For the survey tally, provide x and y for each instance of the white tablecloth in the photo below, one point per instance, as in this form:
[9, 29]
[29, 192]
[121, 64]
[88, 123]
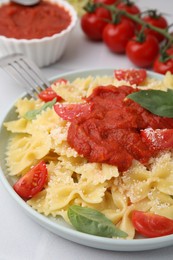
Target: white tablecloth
[20, 237]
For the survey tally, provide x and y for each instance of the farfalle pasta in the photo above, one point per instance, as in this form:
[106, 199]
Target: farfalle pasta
[73, 178]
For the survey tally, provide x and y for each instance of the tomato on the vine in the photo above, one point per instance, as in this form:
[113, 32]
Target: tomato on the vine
[151, 225]
[107, 2]
[164, 61]
[142, 51]
[94, 22]
[169, 51]
[117, 35]
[129, 7]
[163, 66]
[157, 20]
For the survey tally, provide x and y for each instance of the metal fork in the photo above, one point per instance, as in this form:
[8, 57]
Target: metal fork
[25, 72]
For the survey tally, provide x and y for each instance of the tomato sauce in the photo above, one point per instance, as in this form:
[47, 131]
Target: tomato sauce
[34, 22]
[110, 132]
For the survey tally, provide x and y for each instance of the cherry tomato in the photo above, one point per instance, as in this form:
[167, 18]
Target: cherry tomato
[129, 7]
[159, 139]
[116, 36]
[170, 51]
[107, 2]
[143, 54]
[158, 21]
[151, 225]
[162, 67]
[132, 76]
[93, 23]
[71, 111]
[32, 182]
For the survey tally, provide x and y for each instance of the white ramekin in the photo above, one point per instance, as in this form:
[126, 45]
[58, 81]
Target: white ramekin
[44, 51]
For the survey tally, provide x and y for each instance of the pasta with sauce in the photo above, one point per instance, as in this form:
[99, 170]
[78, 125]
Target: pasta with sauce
[72, 179]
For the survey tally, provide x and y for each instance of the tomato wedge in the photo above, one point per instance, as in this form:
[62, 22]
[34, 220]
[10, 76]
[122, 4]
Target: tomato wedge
[133, 76]
[71, 111]
[61, 80]
[32, 182]
[48, 95]
[159, 139]
[151, 225]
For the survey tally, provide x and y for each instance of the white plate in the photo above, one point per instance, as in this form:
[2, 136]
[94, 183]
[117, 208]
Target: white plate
[58, 226]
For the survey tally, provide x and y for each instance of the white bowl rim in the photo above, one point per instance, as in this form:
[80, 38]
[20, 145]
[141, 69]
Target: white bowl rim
[68, 7]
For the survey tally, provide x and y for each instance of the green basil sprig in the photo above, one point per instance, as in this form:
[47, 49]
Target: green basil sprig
[30, 115]
[157, 102]
[93, 222]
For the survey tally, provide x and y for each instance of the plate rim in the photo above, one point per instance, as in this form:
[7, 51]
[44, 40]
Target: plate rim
[72, 234]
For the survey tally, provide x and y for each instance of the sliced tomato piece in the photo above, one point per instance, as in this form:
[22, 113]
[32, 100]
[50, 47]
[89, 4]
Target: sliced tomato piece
[159, 139]
[133, 76]
[61, 80]
[48, 95]
[32, 182]
[151, 225]
[71, 111]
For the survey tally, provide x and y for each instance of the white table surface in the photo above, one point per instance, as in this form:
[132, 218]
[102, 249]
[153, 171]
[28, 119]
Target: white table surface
[20, 237]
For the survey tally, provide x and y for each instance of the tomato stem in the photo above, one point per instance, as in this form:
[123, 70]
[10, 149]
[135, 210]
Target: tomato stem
[136, 18]
[164, 56]
[153, 13]
[140, 36]
[116, 17]
[90, 7]
[128, 2]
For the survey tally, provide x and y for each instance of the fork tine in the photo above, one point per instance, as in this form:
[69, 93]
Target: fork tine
[7, 59]
[34, 85]
[17, 76]
[36, 74]
[26, 72]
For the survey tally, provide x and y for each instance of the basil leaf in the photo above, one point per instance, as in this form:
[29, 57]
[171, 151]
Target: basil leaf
[156, 101]
[93, 222]
[33, 113]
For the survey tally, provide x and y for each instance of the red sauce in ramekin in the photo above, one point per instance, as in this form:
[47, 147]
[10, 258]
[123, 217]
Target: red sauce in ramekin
[35, 22]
